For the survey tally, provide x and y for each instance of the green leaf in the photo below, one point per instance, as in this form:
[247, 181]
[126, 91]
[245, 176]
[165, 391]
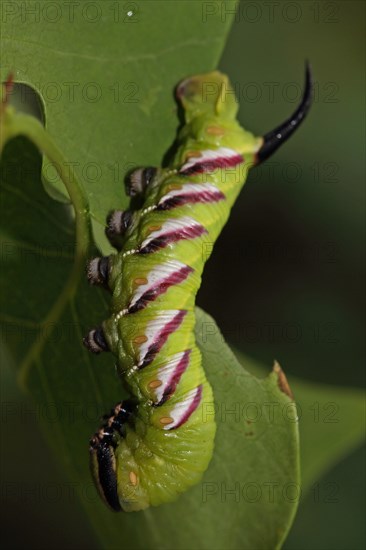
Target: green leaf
[106, 72]
[331, 425]
[331, 422]
[253, 477]
[140, 58]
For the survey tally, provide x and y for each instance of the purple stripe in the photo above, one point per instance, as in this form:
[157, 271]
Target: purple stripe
[196, 401]
[212, 164]
[161, 287]
[162, 337]
[163, 241]
[176, 376]
[193, 198]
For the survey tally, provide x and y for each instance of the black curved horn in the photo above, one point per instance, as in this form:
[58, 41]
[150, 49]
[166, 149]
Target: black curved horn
[274, 139]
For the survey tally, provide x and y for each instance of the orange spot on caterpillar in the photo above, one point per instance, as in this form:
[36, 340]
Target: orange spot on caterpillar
[174, 187]
[140, 339]
[216, 131]
[154, 384]
[133, 478]
[166, 420]
[140, 281]
[192, 154]
[154, 228]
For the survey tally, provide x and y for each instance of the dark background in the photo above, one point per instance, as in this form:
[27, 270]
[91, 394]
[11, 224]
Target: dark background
[291, 256]
[286, 279]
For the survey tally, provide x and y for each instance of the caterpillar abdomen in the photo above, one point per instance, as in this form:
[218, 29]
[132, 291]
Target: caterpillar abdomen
[156, 445]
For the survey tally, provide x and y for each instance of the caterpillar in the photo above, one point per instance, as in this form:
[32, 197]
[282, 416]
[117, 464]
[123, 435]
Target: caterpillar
[157, 444]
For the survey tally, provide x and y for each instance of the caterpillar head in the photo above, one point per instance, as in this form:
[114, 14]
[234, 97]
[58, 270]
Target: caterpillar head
[210, 96]
[207, 94]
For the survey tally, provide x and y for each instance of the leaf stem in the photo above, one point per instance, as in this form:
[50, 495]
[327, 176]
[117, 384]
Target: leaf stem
[14, 124]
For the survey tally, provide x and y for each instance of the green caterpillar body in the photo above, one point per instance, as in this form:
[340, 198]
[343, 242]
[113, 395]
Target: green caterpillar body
[154, 447]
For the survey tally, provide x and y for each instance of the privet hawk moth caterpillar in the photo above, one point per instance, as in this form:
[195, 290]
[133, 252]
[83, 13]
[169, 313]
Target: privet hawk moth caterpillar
[157, 444]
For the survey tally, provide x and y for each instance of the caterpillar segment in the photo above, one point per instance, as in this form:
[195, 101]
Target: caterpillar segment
[148, 452]
[140, 179]
[98, 271]
[118, 221]
[95, 341]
